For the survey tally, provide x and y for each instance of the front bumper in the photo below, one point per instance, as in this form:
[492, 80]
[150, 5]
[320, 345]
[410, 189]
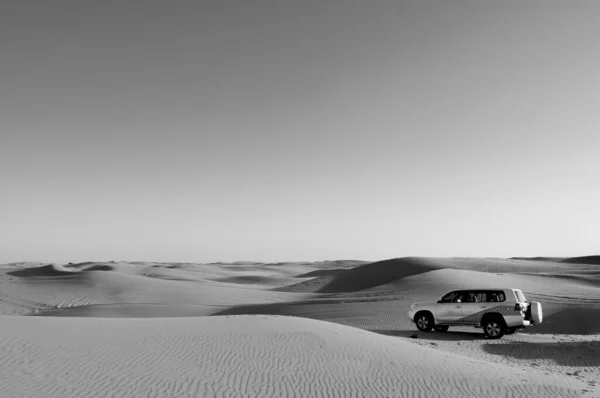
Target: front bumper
[411, 315]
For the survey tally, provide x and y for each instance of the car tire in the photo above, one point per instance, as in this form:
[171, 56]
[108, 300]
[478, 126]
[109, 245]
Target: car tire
[424, 321]
[494, 327]
[511, 331]
[536, 312]
[441, 328]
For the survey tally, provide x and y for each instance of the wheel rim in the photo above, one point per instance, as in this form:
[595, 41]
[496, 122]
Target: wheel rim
[423, 322]
[493, 329]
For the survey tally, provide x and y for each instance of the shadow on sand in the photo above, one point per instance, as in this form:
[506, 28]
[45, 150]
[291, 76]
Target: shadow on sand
[569, 353]
[434, 336]
[285, 308]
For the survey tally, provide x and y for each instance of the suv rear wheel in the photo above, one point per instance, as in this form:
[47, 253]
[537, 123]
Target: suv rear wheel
[494, 328]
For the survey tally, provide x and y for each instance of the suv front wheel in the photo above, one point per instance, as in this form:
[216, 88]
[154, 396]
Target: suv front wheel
[424, 321]
[494, 328]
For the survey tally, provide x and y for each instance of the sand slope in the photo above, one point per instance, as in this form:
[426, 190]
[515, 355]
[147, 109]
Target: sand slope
[244, 357]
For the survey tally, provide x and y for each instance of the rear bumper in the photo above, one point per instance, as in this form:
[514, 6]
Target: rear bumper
[520, 324]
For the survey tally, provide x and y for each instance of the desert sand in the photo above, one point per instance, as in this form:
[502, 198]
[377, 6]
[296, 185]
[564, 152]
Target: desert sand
[324, 329]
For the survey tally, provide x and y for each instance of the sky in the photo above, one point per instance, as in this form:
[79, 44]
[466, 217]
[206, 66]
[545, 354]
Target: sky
[199, 131]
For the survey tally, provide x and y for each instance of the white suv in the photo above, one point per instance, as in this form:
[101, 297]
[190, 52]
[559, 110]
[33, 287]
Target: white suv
[497, 311]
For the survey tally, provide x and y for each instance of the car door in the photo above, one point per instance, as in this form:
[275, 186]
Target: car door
[451, 311]
[474, 304]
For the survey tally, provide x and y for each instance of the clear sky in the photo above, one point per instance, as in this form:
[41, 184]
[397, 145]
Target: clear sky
[298, 130]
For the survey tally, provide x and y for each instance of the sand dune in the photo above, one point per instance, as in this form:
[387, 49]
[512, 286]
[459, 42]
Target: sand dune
[583, 260]
[364, 276]
[253, 329]
[245, 356]
[546, 259]
[385, 272]
[261, 280]
[49, 270]
[104, 287]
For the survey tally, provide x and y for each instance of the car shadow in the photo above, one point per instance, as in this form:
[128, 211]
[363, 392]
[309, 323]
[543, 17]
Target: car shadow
[563, 353]
[434, 336]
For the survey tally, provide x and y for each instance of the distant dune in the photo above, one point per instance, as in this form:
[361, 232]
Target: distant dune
[583, 260]
[570, 260]
[364, 276]
[384, 272]
[50, 270]
[551, 259]
[290, 329]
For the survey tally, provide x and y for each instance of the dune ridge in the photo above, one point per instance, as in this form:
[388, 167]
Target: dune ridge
[364, 276]
[583, 260]
[49, 270]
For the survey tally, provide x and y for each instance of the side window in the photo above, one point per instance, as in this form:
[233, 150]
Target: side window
[475, 297]
[495, 297]
[451, 297]
[471, 297]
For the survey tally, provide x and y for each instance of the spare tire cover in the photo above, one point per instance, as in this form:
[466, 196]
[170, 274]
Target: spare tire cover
[536, 311]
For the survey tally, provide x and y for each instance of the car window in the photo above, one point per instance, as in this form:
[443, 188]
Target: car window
[468, 297]
[495, 297]
[460, 296]
[481, 297]
[520, 296]
[472, 297]
[451, 297]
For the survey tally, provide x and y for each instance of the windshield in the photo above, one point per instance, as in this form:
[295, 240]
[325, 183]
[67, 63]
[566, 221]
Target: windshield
[520, 296]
